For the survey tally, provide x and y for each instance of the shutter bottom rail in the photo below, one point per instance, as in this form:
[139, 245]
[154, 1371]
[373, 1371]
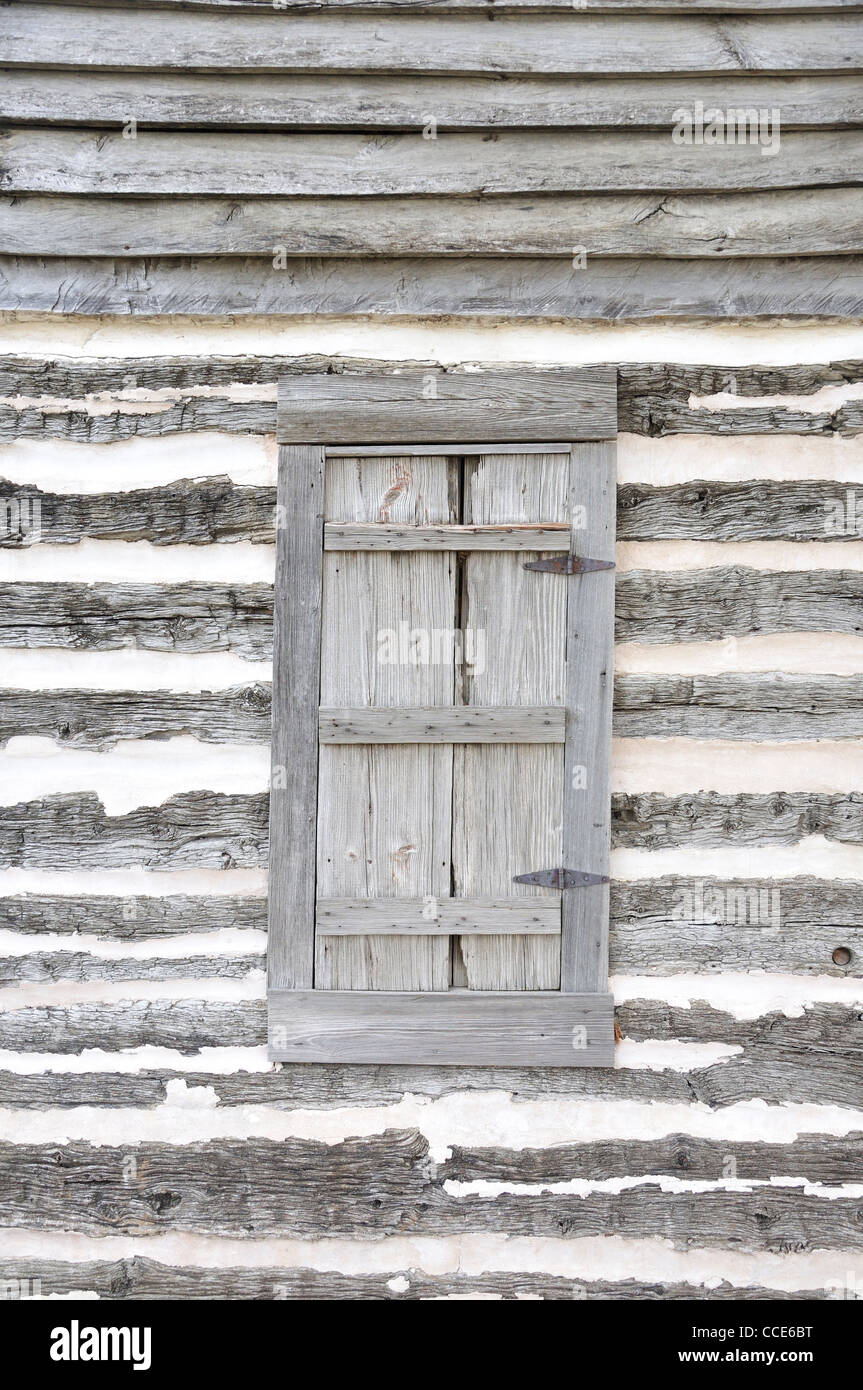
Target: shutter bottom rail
[457, 1028]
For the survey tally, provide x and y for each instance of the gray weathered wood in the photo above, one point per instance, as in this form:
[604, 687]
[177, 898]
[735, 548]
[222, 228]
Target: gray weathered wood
[654, 821]
[589, 699]
[317, 164]
[461, 450]
[101, 718]
[680, 7]
[296, 678]
[612, 288]
[511, 405]
[386, 811]
[39, 35]
[507, 799]
[795, 222]
[460, 1027]
[453, 917]
[126, 918]
[198, 101]
[458, 724]
[529, 536]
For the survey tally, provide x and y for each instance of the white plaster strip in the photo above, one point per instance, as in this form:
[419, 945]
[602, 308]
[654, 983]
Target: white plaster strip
[583, 1187]
[737, 343]
[584, 1260]
[129, 668]
[149, 883]
[796, 653]
[140, 562]
[664, 460]
[675, 766]
[815, 856]
[140, 400]
[68, 993]
[135, 772]
[463, 1119]
[785, 556]
[65, 466]
[228, 941]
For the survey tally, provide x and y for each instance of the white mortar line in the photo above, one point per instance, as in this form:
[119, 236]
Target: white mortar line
[792, 653]
[128, 669]
[148, 883]
[813, 856]
[784, 556]
[826, 399]
[66, 466]
[677, 766]
[663, 460]
[228, 941]
[141, 562]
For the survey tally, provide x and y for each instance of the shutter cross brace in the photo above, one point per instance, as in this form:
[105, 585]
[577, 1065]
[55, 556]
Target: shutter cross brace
[561, 878]
[569, 564]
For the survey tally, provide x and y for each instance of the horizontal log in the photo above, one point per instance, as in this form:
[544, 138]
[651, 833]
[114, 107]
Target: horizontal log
[377, 1185]
[203, 511]
[82, 967]
[454, 917]
[196, 101]
[42, 160]
[700, 606]
[459, 1028]
[193, 830]
[526, 536]
[41, 36]
[481, 6]
[133, 917]
[144, 1280]
[104, 617]
[459, 724]
[381, 408]
[101, 718]
[653, 821]
[464, 287]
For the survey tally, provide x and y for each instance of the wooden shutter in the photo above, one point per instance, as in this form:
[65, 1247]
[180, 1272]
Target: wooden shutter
[442, 719]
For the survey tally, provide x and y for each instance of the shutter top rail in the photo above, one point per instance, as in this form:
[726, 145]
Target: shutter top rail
[521, 406]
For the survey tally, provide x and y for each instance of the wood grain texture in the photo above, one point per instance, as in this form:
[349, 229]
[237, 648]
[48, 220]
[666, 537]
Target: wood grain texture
[321, 101]
[521, 287]
[247, 164]
[101, 718]
[793, 222]
[140, 1279]
[457, 725]
[133, 916]
[453, 917]
[386, 811]
[589, 698]
[85, 38]
[367, 7]
[653, 821]
[510, 405]
[296, 682]
[356, 536]
[507, 800]
[456, 1028]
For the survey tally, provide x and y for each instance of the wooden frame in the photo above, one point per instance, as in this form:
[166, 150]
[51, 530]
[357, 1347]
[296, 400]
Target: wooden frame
[323, 416]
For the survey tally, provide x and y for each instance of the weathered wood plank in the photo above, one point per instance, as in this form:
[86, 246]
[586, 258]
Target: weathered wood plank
[385, 826]
[653, 821]
[651, 606]
[143, 1280]
[689, 605]
[510, 6]
[459, 1027]
[507, 803]
[193, 830]
[81, 967]
[192, 100]
[459, 724]
[101, 718]
[528, 536]
[513, 405]
[296, 678]
[128, 918]
[380, 1185]
[174, 41]
[244, 164]
[796, 222]
[215, 510]
[187, 617]
[454, 917]
[589, 697]
[746, 707]
[612, 288]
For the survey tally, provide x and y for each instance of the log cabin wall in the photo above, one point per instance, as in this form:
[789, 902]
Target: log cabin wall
[278, 214]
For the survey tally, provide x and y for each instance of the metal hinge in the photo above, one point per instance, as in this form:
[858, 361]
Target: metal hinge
[569, 564]
[561, 878]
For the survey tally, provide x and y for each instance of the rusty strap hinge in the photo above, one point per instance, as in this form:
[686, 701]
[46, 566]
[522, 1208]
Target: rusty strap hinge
[561, 878]
[569, 564]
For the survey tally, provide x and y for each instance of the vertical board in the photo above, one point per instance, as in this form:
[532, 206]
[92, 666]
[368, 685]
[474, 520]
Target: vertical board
[589, 699]
[296, 674]
[385, 819]
[508, 797]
